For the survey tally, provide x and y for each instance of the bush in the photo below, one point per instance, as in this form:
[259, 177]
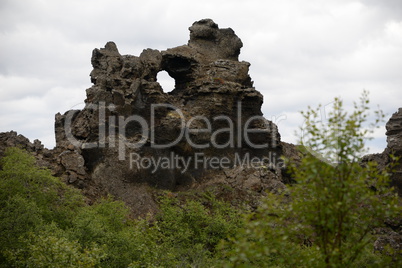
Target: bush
[45, 223]
[188, 232]
[50, 248]
[29, 198]
[106, 224]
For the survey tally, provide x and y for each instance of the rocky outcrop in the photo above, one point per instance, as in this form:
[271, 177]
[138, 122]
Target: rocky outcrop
[132, 135]
[68, 163]
[394, 147]
[12, 139]
[394, 133]
[390, 237]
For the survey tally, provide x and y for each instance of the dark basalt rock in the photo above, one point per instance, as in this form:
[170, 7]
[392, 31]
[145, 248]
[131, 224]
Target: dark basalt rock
[394, 147]
[211, 104]
[394, 133]
[209, 82]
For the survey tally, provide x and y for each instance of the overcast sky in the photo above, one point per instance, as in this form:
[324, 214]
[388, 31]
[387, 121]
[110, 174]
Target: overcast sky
[301, 52]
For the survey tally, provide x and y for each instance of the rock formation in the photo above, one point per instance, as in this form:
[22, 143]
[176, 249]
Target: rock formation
[394, 147]
[391, 235]
[132, 135]
[12, 139]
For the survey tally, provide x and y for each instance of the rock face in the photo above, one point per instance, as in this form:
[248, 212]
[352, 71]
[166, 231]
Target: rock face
[131, 133]
[67, 163]
[394, 133]
[394, 147]
[12, 139]
[392, 235]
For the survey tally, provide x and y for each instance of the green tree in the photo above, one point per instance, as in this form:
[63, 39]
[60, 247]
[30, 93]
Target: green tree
[326, 218]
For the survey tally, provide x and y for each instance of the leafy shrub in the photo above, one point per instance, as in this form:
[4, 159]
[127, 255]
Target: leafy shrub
[187, 231]
[45, 223]
[50, 248]
[107, 225]
[29, 198]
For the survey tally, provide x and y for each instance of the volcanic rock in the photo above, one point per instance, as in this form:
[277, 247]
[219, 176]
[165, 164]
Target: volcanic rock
[129, 123]
[394, 148]
[394, 133]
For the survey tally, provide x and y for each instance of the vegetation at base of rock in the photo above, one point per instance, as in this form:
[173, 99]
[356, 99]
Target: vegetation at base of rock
[45, 223]
[325, 219]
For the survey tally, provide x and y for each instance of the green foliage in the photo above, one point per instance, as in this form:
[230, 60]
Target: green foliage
[21, 177]
[272, 237]
[326, 218]
[195, 222]
[191, 230]
[106, 224]
[184, 233]
[17, 217]
[51, 248]
[45, 223]
[29, 198]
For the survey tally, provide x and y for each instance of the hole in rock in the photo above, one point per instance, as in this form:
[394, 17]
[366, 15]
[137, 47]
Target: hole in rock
[166, 81]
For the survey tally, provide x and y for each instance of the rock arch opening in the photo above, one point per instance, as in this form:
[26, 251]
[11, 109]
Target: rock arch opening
[166, 81]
